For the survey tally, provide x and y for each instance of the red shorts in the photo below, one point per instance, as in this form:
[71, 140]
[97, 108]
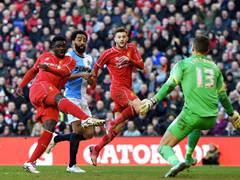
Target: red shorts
[121, 96]
[42, 96]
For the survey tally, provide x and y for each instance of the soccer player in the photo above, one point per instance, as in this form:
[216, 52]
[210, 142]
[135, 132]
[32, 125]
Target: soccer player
[51, 71]
[203, 86]
[120, 60]
[75, 91]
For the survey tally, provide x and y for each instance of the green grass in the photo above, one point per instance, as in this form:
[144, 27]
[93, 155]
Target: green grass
[120, 173]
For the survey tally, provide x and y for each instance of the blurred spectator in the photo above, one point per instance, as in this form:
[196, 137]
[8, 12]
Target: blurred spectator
[235, 97]
[24, 114]
[37, 129]
[22, 130]
[143, 92]
[100, 111]
[131, 130]
[6, 131]
[150, 131]
[221, 124]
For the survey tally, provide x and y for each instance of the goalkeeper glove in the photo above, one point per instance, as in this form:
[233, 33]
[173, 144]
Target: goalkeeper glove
[146, 105]
[235, 120]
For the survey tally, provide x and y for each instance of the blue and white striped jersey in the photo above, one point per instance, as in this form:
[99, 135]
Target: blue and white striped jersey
[77, 88]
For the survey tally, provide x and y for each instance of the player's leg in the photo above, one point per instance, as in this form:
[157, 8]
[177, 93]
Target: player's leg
[201, 123]
[75, 138]
[177, 131]
[43, 141]
[107, 138]
[49, 126]
[73, 121]
[70, 108]
[78, 135]
[193, 138]
[54, 97]
[48, 116]
[122, 101]
[128, 102]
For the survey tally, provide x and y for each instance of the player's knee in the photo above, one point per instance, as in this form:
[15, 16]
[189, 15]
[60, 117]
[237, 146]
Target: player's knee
[50, 125]
[58, 97]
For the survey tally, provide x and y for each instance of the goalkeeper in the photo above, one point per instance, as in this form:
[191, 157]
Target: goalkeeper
[203, 86]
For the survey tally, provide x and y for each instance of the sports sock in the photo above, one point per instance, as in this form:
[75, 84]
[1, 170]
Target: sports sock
[43, 142]
[74, 144]
[68, 107]
[193, 138]
[107, 138]
[168, 154]
[62, 137]
[127, 113]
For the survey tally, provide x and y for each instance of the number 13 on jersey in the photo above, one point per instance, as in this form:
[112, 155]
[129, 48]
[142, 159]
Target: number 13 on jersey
[205, 77]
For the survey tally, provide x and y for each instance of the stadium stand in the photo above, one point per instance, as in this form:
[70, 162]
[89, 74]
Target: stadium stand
[162, 30]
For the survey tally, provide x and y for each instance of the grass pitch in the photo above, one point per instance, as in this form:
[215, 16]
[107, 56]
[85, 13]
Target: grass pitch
[120, 173]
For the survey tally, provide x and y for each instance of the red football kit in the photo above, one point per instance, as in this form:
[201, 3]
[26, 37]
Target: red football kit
[120, 64]
[47, 85]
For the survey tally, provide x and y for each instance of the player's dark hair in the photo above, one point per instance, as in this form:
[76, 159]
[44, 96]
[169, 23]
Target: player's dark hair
[120, 29]
[57, 38]
[201, 44]
[75, 33]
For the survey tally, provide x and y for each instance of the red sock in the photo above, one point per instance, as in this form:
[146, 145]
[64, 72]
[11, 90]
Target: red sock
[43, 142]
[107, 138]
[68, 107]
[127, 113]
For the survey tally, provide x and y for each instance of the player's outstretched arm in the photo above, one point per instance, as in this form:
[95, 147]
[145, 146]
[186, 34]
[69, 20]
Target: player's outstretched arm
[167, 87]
[136, 59]
[61, 71]
[31, 73]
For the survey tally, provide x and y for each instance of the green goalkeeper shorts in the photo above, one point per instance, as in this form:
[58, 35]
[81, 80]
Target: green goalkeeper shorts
[186, 122]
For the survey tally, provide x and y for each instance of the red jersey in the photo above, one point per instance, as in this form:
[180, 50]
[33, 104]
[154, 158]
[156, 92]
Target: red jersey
[120, 64]
[55, 62]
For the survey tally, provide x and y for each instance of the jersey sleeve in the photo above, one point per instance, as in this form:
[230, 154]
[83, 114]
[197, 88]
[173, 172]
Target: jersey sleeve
[177, 73]
[136, 58]
[35, 66]
[102, 60]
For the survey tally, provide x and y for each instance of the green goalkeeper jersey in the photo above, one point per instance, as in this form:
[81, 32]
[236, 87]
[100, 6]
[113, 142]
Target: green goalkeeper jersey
[201, 82]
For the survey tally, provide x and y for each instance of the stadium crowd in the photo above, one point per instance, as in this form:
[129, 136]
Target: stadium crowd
[162, 30]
